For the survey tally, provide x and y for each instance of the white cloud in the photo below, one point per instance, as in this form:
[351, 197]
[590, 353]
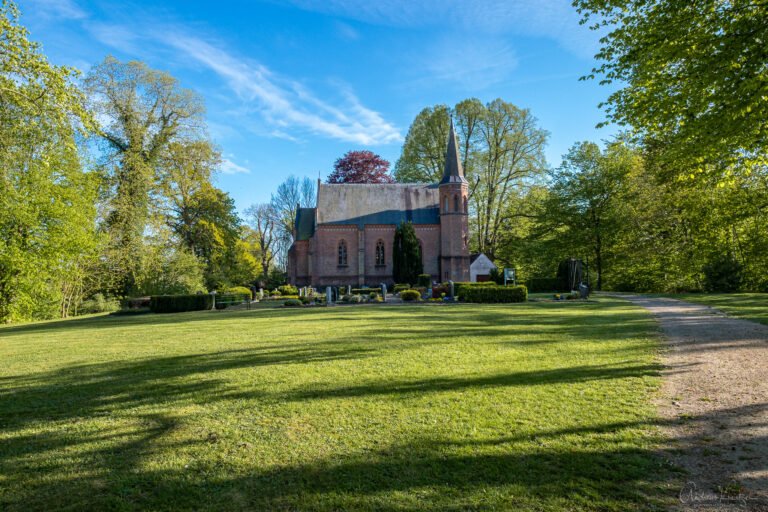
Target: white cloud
[230, 167]
[286, 103]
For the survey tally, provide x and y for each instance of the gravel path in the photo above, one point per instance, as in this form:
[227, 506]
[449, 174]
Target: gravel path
[714, 404]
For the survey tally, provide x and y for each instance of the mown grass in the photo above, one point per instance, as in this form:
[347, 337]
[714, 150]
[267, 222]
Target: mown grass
[750, 306]
[519, 407]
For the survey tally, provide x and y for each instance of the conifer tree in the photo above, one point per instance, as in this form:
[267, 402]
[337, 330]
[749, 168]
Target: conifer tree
[406, 255]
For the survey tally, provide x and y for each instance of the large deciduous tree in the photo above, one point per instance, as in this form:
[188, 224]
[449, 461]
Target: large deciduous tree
[141, 111]
[692, 78]
[263, 220]
[501, 148]
[423, 154]
[360, 167]
[584, 207]
[47, 212]
[291, 194]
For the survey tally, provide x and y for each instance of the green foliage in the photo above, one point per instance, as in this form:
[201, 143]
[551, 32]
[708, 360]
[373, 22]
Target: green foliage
[502, 152]
[288, 289]
[240, 290]
[723, 274]
[366, 291]
[141, 111]
[98, 304]
[163, 269]
[48, 241]
[410, 295]
[424, 280]
[406, 254]
[400, 287]
[496, 275]
[423, 155]
[180, 303]
[494, 294]
[692, 79]
[460, 287]
[543, 284]
[292, 303]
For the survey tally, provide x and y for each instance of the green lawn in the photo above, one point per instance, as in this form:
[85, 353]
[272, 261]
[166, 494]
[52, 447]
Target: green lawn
[750, 306]
[539, 406]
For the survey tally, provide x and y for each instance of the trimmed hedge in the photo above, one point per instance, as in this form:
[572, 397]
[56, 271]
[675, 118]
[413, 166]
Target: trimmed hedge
[544, 284]
[400, 287]
[424, 280]
[233, 298]
[410, 295]
[458, 288]
[292, 303]
[179, 303]
[494, 294]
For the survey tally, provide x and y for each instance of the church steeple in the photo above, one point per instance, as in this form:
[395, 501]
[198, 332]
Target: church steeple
[453, 172]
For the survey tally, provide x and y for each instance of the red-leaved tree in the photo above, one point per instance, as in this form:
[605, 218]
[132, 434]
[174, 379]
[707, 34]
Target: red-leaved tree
[360, 167]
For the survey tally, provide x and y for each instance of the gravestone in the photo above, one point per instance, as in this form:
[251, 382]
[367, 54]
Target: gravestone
[328, 296]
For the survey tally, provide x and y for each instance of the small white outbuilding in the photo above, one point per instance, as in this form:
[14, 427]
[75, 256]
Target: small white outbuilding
[480, 267]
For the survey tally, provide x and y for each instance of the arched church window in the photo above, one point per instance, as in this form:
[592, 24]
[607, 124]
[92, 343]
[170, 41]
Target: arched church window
[342, 252]
[380, 252]
[456, 203]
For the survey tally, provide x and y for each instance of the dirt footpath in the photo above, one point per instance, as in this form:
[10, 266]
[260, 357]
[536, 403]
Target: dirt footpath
[714, 404]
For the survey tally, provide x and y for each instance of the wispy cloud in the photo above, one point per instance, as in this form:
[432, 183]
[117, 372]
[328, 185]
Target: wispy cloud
[286, 103]
[66, 9]
[473, 64]
[230, 167]
[554, 19]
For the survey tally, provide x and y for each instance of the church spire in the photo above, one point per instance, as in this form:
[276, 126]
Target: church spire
[453, 172]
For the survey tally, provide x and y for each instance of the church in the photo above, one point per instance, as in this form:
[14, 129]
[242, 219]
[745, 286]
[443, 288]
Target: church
[347, 238]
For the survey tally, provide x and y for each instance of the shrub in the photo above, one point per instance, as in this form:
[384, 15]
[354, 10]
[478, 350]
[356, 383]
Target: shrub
[232, 298]
[365, 291]
[179, 303]
[276, 293]
[400, 287]
[543, 284]
[287, 289]
[304, 300]
[494, 294]
[496, 275]
[410, 295]
[723, 274]
[291, 303]
[238, 290]
[424, 280]
[98, 304]
[221, 305]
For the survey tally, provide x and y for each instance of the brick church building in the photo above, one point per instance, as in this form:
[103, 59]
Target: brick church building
[347, 239]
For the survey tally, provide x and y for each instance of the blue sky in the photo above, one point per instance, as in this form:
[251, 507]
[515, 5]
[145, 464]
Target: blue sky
[292, 85]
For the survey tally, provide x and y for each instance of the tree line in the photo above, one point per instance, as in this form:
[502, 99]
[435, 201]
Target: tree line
[107, 186]
[107, 181]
